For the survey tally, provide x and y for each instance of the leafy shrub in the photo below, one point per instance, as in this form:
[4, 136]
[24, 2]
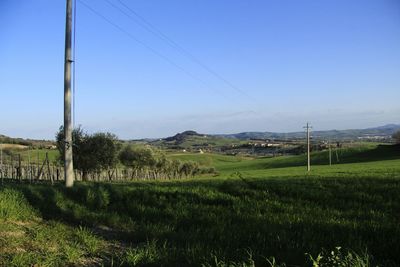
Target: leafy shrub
[208, 170]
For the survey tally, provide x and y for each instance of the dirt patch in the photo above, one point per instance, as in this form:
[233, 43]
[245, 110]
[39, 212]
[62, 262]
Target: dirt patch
[16, 233]
[14, 146]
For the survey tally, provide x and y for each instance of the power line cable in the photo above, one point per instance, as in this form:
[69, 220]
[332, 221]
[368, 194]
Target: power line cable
[154, 30]
[141, 21]
[150, 48]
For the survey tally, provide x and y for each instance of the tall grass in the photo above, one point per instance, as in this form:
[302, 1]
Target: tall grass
[27, 240]
[183, 223]
[13, 206]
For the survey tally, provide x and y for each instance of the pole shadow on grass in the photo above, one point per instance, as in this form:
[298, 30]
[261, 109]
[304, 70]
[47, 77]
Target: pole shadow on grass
[284, 218]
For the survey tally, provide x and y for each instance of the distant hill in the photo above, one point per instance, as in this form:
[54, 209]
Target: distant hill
[375, 133]
[246, 141]
[190, 138]
[25, 142]
[180, 137]
[193, 140]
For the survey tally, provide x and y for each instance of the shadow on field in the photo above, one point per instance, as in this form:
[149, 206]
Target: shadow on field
[187, 223]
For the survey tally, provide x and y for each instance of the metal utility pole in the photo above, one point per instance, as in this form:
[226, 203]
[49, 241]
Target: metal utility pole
[308, 127]
[68, 163]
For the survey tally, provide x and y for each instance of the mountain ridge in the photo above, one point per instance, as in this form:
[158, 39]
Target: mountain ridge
[379, 131]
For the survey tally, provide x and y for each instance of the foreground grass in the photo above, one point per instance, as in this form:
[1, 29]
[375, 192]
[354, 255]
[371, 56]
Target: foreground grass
[27, 240]
[243, 218]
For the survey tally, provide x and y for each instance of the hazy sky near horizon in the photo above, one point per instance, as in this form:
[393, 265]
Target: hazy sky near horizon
[274, 66]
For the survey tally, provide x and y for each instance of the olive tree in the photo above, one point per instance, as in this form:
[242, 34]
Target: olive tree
[189, 168]
[137, 157]
[92, 153]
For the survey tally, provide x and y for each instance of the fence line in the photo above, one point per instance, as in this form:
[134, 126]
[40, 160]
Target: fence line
[15, 169]
[50, 172]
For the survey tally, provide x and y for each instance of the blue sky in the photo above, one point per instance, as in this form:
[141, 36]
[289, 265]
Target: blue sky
[333, 63]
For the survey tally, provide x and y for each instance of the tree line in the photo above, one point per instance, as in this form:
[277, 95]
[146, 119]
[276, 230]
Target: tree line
[98, 152]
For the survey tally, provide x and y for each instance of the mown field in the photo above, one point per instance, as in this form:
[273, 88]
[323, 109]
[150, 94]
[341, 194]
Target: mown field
[254, 212]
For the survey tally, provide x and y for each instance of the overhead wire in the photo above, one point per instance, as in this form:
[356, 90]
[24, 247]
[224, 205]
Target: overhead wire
[154, 30]
[167, 59]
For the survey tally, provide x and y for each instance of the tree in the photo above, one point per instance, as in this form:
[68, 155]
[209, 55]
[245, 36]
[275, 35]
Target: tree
[189, 168]
[152, 164]
[101, 151]
[396, 137]
[137, 157]
[175, 167]
[91, 152]
[78, 137]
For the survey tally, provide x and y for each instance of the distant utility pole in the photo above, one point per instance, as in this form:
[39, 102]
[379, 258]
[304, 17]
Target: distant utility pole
[1, 156]
[1, 162]
[68, 162]
[308, 127]
[330, 153]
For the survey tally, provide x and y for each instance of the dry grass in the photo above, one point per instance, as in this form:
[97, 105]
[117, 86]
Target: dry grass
[14, 146]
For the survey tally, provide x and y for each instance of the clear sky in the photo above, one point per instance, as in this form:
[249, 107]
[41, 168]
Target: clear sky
[264, 65]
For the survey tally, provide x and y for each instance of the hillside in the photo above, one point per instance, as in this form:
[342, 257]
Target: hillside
[191, 140]
[270, 143]
[25, 142]
[226, 165]
[180, 137]
[375, 133]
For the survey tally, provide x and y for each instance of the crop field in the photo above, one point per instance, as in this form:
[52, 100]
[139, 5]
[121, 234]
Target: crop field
[254, 212]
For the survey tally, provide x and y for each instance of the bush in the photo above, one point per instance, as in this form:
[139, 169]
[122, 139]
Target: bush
[137, 157]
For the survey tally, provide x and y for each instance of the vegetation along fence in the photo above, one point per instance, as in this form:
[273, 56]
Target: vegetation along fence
[14, 167]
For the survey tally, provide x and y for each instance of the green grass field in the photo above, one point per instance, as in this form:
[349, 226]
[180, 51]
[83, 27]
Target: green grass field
[255, 209]
[33, 155]
[227, 165]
